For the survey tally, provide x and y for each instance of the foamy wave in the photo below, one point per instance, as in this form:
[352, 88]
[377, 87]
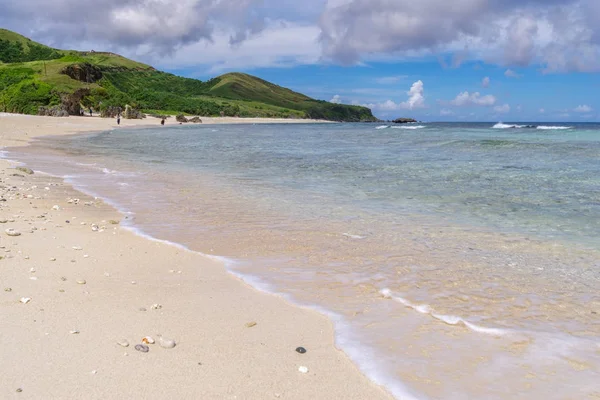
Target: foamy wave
[500, 125]
[351, 236]
[409, 127]
[447, 319]
[554, 128]
[382, 127]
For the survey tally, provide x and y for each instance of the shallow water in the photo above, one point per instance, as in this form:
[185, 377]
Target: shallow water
[448, 255]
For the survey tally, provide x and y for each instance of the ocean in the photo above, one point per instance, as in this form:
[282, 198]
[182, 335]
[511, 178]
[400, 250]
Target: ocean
[456, 260]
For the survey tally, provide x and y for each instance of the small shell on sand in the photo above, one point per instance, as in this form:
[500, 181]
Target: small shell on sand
[52, 259]
[12, 232]
[142, 347]
[77, 248]
[166, 343]
[156, 306]
[303, 369]
[8, 289]
[74, 332]
[250, 324]
[81, 281]
[95, 228]
[123, 343]
[25, 300]
[148, 340]
[55, 207]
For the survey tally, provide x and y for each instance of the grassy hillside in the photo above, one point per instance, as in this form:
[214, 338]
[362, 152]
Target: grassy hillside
[34, 75]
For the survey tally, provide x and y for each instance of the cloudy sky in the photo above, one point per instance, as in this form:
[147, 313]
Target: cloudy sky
[490, 60]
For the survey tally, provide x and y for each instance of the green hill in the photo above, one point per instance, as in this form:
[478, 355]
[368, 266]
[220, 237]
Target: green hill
[33, 75]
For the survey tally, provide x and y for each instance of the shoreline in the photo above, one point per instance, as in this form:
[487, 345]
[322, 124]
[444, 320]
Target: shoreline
[68, 332]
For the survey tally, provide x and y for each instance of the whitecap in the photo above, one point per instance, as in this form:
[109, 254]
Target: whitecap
[554, 128]
[409, 127]
[500, 125]
[382, 127]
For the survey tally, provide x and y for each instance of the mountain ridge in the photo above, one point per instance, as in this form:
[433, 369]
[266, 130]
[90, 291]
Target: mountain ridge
[33, 75]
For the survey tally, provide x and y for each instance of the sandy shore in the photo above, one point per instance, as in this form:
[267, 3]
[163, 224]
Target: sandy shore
[75, 283]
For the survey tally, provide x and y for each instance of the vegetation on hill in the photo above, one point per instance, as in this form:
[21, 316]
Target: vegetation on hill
[33, 75]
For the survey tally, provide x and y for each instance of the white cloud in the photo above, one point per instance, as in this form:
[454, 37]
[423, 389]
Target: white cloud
[503, 109]
[416, 99]
[485, 82]
[473, 99]
[336, 99]
[583, 109]
[511, 74]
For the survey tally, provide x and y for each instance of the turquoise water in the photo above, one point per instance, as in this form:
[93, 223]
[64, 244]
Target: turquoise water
[426, 244]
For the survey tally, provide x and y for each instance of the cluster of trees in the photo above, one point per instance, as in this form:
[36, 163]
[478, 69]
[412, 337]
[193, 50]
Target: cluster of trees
[13, 52]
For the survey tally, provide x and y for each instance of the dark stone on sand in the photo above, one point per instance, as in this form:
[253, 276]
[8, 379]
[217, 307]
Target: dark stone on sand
[181, 118]
[18, 175]
[195, 120]
[54, 111]
[142, 347]
[301, 350]
[26, 170]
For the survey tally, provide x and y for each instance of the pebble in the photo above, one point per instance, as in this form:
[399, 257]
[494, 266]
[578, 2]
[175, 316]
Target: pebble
[81, 281]
[156, 306]
[142, 347]
[250, 324]
[25, 300]
[123, 343]
[166, 343]
[148, 340]
[56, 208]
[142, 309]
[75, 332]
[10, 290]
[19, 390]
[62, 278]
[12, 232]
[301, 350]
[53, 259]
[303, 369]
[77, 248]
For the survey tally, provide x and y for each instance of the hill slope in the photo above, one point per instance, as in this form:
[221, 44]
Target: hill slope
[34, 75]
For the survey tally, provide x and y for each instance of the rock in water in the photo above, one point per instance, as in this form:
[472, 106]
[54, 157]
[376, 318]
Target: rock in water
[26, 170]
[142, 347]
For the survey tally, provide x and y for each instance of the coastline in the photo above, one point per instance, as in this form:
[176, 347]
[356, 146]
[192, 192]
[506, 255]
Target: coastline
[63, 342]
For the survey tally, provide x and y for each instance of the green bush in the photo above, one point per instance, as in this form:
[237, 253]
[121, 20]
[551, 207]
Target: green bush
[27, 96]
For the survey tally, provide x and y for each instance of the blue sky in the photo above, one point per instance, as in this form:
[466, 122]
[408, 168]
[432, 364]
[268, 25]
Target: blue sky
[475, 60]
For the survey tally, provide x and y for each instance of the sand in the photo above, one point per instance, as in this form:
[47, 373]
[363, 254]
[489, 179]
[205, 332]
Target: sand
[63, 343]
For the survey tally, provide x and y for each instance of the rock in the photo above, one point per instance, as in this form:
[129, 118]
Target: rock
[10, 290]
[83, 72]
[123, 343]
[250, 324]
[132, 113]
[12, 232]
[181, 118]
[54, 111]
[26, 170]
[113, 222]
[301, 350]
[142, 347]
[303, 369]
[404, 120]
[110, 112]
[166, 343]
[195, 120]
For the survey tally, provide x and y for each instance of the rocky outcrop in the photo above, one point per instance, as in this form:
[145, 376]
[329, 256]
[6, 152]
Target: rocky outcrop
[404, 120]
[195, 120]
[110, 112]
[181, 118]
[72, 102]
[83, 72]
[54, 111]
[132, 113]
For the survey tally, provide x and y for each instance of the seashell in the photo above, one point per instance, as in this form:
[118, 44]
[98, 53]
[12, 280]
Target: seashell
[75, 332]
[301, 350]
[56, 207]
[25, 300]
[12, 232]
[156, 306]
[303, 369]
[148, 340]
[166, 343]
[33, 278]
[8, 289]
[95, 228]
[52, 259]
[3, 220]
[81, 281]
[85, 256]
[77, 248]
[123, 343]
[142, 347]
[250, 324]
[113, 222]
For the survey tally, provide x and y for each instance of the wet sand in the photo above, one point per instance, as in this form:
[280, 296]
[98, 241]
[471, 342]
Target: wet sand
[92, 284]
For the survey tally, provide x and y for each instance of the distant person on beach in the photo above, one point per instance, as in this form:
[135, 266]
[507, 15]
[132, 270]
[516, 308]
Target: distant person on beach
[118, 120]
[90, 111]
[162, 121]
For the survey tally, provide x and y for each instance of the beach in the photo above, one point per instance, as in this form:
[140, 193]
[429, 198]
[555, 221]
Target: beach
[80, 291]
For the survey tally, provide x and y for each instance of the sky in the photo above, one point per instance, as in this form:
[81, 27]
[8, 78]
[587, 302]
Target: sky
[433, 60]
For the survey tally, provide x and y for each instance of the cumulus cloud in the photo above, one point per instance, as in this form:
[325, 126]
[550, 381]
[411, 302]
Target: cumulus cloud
[336, 99]
[583, 109]
[473, 99]
[503, 109]
[562, 35]
[485, 82]
[416, 99]
[509, 73]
